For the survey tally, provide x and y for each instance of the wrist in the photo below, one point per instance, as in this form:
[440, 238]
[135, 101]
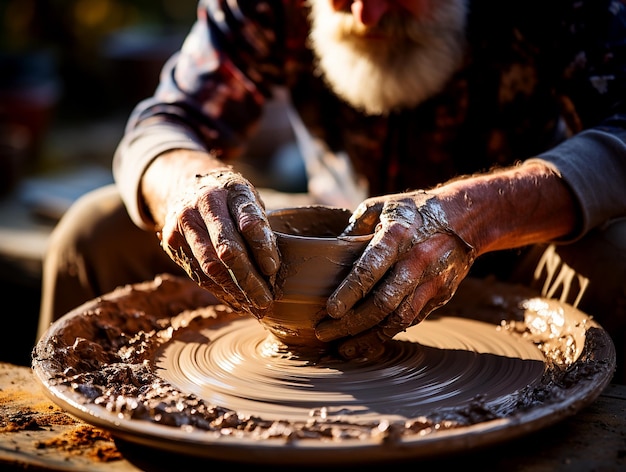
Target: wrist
[171, 174]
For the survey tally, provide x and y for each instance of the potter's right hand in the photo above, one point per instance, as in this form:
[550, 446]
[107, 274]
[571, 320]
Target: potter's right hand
[216, 229]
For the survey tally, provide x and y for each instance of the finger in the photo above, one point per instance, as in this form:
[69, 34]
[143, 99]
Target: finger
[175, 246]
[365, 273]
[412, 310]
[235, 272]
[364, 219]
[254, 227]
[201, 262]
[178, 250]
[376, 307]
[393, 237]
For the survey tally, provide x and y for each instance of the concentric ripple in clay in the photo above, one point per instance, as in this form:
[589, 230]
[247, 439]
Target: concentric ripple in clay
[445, 362]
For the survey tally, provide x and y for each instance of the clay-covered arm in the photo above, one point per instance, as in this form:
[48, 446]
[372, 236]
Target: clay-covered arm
[425, 242]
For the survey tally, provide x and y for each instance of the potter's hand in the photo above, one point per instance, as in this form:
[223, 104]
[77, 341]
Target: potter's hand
[218, 232]
[413, 265]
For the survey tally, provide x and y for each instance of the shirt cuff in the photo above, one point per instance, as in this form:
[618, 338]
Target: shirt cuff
[136, 151]
[592, 164]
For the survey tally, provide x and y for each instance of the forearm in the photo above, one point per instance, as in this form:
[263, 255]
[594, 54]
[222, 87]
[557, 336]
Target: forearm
[168, 175]
[593, 163]
[509, 208]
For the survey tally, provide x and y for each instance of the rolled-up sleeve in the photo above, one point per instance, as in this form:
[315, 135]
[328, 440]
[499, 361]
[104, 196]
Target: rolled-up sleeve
[138, 148]
[593, 165]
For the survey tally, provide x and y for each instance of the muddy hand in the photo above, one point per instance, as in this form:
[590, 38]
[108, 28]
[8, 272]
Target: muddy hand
[413, 265]
[218, 232]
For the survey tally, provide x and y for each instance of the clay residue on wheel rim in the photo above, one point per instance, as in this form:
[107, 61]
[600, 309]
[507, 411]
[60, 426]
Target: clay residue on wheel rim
[111, 353]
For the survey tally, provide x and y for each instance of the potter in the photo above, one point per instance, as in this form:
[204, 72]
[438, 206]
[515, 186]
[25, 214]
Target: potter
[471, 150]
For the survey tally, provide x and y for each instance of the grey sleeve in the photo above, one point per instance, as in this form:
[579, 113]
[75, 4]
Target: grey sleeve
[593, 164]
[137, 149]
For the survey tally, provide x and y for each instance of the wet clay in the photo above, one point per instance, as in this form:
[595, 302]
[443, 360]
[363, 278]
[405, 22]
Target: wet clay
[314, 260]
[419, 373]
[157, 353]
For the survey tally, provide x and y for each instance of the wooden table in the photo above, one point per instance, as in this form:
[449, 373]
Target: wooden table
[35, 434]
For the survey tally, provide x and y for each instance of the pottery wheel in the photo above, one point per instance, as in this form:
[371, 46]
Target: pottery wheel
[445, 362]
[159, 364]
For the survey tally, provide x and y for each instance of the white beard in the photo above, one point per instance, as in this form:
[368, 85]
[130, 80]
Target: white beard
[409, 62]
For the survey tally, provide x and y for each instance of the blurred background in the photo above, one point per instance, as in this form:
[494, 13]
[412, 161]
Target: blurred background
[70, 73]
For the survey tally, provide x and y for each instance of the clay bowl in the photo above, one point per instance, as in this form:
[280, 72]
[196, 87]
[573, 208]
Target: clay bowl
[314, 260]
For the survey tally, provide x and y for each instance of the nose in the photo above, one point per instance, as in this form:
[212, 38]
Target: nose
[366, 12]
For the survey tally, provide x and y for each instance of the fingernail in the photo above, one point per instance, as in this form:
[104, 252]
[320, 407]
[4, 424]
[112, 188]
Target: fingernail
[326, 332]
[268, 265]
[336, 308]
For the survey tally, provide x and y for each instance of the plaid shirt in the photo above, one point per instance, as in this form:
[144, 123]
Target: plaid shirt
[540, 79]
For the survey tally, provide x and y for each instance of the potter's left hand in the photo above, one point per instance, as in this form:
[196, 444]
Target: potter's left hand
[412, 266]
